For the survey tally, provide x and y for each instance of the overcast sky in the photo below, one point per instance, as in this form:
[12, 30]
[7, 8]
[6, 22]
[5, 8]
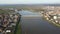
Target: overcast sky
[29, 1]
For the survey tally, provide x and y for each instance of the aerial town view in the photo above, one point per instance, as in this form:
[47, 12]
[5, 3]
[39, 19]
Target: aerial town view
[9, 21]
[29, 19]
[29, 16]
[53, 14]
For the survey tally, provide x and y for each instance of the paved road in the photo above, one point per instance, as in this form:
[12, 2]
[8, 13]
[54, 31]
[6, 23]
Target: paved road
[36, 25]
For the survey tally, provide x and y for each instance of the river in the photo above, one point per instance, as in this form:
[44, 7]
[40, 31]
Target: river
[32, 23]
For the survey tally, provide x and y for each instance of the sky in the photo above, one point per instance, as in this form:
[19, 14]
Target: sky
[29, 1]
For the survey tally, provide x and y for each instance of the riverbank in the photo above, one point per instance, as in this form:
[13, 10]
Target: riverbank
[52, 22]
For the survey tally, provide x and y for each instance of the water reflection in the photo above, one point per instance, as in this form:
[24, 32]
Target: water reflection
[26, 12]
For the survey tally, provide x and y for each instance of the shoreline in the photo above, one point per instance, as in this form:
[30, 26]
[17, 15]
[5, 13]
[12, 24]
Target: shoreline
[52, 22]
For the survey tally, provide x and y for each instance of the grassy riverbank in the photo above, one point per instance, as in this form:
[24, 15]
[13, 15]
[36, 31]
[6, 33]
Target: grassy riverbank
[19, 30]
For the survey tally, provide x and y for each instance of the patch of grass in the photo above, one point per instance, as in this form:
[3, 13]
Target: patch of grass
[19, 30]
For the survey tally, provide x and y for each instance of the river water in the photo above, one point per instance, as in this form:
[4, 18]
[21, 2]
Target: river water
[32, 23]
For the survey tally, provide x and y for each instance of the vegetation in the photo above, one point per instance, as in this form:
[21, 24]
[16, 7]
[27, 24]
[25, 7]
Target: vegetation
[19, 31]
